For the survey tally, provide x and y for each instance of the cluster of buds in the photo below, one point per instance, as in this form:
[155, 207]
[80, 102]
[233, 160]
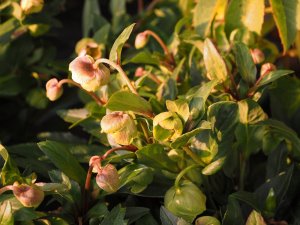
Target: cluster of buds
[167, 126]
[28, 195]
[120, 126]
[31, 6]
[88, 46]
[107, 177]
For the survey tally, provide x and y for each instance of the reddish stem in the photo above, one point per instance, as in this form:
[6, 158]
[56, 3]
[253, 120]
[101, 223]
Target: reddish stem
[92, 94]
[162, 44]
[140, 6]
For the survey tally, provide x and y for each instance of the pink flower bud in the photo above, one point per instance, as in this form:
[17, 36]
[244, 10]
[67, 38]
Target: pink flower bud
[108, 179]
[257, 55]
[267, 68]
[141, 40]
[32, 6]
[139, 72]
[87, 75]
[28, 195]
[53, 90]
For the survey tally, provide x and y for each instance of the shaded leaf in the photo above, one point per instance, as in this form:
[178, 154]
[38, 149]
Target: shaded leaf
[115, 217]
[285, 16]
[245, 63]
[60, 156]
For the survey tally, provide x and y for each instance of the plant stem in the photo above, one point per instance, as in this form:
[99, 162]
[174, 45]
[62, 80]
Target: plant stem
[92, 94]
[162, 44]
[6, 188]
[183, 172]
[189, 152]
[120, 70]
[145, 131]
[140, 6]
[87, 185]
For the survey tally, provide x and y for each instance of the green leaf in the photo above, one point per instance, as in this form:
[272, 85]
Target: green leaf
[26, 214]
[61, 157]
[285, 16]
[98, 210]
[116, 50]
[155, 156]
[214, 167]
[144, 57]
[279, 128]
[233, 214]
[180, 107]
[203, 14]
[166, 217]
[223, 116]
[135, 213]
[101, 35]
[198, 96]
[246, 197]
[255, 218]
[274, 75]
[183, 139]
[10, 86]
[115, 217]
[207, 220]
[91, 15]
[127, 101]
[6, 214]
[7, 28]
[245, 63]
[9, 172]
[245, 14]
[167, 90]
[37, 98]
[214, 63]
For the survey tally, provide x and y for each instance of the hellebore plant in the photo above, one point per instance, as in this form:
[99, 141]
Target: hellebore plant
[184, 120]
[182, 138]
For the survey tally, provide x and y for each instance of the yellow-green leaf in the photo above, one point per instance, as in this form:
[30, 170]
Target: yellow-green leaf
[245, 14]
[214, 63]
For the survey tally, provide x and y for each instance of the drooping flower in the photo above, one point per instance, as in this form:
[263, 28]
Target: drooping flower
[120, 126]
[89, 76]
[53, 89]
[108, 178]
[28, 195]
